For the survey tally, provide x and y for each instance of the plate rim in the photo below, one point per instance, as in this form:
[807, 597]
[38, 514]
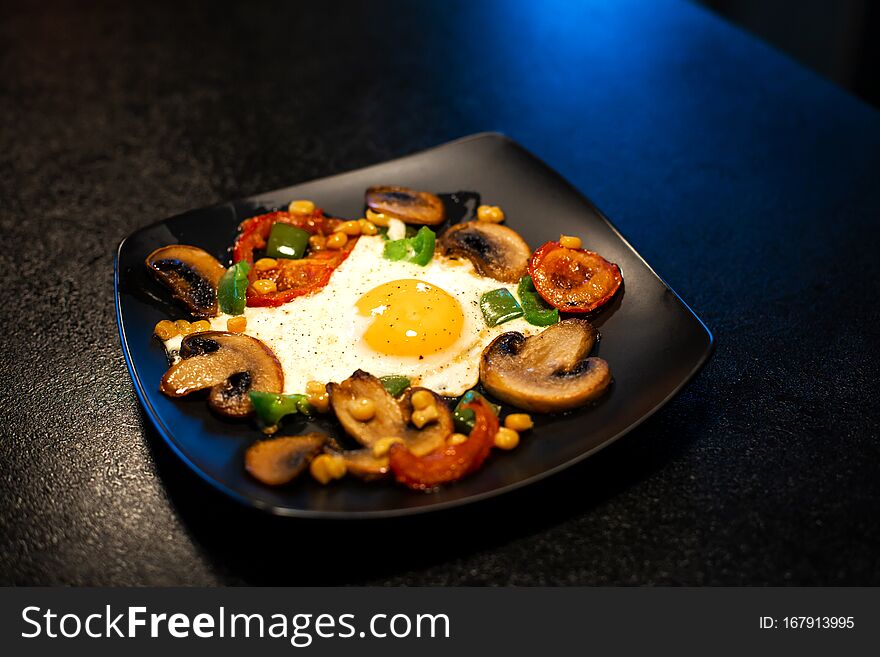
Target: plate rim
[168, 436]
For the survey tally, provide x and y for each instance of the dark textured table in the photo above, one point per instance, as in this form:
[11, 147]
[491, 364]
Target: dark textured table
[749, 184]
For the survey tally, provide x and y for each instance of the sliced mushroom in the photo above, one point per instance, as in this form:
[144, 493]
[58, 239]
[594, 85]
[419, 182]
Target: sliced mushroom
[391, 417]
[191, 274]
[496, 251]
[363, 464]
[546, 372]
[408, 205]
[230, 364]
[282, 459]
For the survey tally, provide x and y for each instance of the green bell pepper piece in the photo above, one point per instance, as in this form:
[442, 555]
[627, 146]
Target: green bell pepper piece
[418, 249]
[286, 241]
[499, 306]
[536, 311]
[271, 407]
[465, 418]
[395, 384]
[232, 289]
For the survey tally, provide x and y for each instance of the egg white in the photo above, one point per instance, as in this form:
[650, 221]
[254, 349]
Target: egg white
[319, 337]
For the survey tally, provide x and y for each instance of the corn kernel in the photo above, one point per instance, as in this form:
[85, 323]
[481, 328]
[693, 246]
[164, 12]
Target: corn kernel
[422, 399]
[316, 387]
[424, 416]
[265, 263]
[367, 227]
[327, 467]
[382, 446]
[236, 324]
[519, 421]
[318, 242]
[165, 330]
[377, 218]
[506, 438]
[491, 213]
[570, 242]
[456, 439]
[351, 228]
[320, 402]
[301, 207]
[183, 327]
[200, 326]
[264, 286]
[363, 409]
[337, 240]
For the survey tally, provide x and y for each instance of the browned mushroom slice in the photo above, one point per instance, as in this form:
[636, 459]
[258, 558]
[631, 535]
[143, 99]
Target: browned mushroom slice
[496, 251]
[280, 460]
[391, 417]
[546, 372]
[191, 274]
[408, 205]
[230, 364]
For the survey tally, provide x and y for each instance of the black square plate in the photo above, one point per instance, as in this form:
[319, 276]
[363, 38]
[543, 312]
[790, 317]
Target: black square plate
[653, 342]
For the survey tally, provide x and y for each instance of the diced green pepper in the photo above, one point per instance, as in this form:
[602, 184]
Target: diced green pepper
[536, 311]
[271, 407]
[286, 241]
[395, 384]
[232, 289]
[499, 306]
[418, 249]
[464, 418]
[423, 246]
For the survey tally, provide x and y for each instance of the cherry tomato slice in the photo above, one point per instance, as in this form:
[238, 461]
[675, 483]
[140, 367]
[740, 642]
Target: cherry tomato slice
[454, 461]
[254, 232]
[573, 280]
[293, 278]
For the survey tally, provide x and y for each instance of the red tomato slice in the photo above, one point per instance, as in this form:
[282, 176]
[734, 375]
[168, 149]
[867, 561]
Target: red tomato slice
[454, 461]
[573, 280]
[293, 278]
[254, 232]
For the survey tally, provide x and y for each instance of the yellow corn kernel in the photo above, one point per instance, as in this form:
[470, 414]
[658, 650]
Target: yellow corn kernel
[351, 228]
[363, 409]
[165, 330]
[327, 467]
[367, 227]
[491, 213]
[316, 387]
[301, 207]
[264, 286]
[506, 438]
[318, 242]
[382, 446]
[422, 399]
[265, 263]
[570, 242]
[377, 218]
[320, 403]
[422, 417]
[337, 240]
[183, 327]
[236, 324]
[456, 439]
[519, 421]
[200, 326]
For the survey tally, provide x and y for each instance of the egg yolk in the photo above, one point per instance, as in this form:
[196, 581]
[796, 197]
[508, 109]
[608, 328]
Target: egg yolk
[410, 318]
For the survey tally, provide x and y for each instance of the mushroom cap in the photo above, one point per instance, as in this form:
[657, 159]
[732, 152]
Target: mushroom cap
[191, 274]
[230, 364]
[547, 372]
[281, 459]
[408, 205]
[392, 416]
[496, 251]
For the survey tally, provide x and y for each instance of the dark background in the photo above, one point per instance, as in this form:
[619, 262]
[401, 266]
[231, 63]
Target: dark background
[748, 182]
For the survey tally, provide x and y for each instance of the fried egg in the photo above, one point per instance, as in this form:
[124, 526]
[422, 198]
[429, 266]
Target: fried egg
[384, 317]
